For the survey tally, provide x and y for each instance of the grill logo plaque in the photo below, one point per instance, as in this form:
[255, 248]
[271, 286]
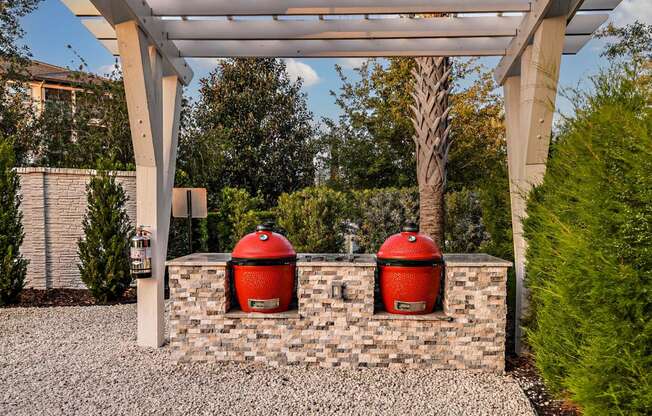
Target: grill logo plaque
[259, 304]
[409, 306]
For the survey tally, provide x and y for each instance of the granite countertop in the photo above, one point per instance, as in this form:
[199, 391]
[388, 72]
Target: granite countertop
[329, 259]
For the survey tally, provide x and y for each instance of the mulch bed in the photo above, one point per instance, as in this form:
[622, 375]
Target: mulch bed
[42, 298]
[526, 374]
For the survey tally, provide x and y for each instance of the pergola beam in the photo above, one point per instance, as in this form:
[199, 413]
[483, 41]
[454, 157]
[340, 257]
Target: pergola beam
[120, 11]
[342, 29]
[541, 9]
[526, 29]
[352, 48]
[337, 7]
[330, 7]
[438, 27]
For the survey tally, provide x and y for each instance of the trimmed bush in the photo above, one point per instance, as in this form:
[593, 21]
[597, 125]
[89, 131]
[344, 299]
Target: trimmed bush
[314, 219]
[237, 214]
[589, 258]
[380, 213]
[13, 267]
[104, 249]
[465, 230]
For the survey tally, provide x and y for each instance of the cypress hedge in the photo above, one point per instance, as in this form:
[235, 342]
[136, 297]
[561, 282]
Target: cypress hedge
[13, 267]
[589, 257]
[104, 249]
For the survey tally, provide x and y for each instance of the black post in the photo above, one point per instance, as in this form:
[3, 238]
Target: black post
[189, 206]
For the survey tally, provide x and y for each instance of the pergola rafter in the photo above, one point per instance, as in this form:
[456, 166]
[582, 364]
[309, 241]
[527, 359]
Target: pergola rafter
[331, 7]
[359, 28]
[153, 38]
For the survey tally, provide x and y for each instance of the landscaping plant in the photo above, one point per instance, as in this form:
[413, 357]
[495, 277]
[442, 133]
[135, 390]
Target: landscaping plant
[104, 251]
[314, 219]
[379, 213]
[13, 267]
[237, 214]
[465, 231]
[589, 256]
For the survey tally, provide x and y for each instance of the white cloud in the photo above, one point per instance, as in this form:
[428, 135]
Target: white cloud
[107, 69]
[204, 64]
[352, 63]
[631, 10]
[297, 69]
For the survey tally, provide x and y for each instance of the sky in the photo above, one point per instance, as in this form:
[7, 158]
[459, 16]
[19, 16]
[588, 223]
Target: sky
[52, 27]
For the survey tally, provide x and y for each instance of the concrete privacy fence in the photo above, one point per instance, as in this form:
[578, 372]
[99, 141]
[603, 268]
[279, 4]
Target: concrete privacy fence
[54, 203]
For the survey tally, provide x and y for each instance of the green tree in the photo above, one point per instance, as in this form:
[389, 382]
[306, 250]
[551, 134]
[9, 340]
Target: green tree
[13, 267]
[95, 130]
[104, 249]
[371, 146]
[589, 256]
[589, 233]
[250, 129]
[15, 115]
[631, 42]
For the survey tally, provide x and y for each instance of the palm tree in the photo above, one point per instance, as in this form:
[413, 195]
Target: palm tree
[432, 139]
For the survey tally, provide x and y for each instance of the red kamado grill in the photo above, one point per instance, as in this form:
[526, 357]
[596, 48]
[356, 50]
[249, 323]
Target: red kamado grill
[410, 266]
[264, 265]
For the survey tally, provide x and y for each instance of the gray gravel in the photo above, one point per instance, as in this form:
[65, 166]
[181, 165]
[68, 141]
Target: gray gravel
[83, 360]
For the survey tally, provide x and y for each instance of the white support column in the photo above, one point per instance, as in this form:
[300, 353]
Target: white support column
[172, 90]
[153, 101]
[529, 109]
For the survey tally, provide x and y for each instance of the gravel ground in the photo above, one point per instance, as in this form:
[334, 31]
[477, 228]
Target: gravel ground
[83, 360]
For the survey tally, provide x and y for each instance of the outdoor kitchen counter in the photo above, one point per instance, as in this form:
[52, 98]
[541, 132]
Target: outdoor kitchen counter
[347, 331]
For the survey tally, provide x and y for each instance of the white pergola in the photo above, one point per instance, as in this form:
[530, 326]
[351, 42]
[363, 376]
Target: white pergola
[153, 38]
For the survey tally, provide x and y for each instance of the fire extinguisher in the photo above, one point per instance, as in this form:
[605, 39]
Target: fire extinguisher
[141, 254]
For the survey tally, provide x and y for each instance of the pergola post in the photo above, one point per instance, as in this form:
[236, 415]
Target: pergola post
[529, 109]
[154, 103]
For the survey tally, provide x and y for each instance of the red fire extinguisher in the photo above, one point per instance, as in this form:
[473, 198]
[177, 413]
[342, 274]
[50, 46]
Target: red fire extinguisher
[141, 254]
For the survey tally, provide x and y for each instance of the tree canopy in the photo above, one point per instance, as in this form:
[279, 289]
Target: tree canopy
[250, 129]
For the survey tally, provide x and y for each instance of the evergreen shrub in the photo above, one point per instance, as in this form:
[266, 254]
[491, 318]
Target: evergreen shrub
[237, 214]
[13, 267]
[589, 257]
[381, 212]
[104, 249]
[465, 230]
[314, 219]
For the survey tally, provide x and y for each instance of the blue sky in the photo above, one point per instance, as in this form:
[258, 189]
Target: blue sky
[52, 27]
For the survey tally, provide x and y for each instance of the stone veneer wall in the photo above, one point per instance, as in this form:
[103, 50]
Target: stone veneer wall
[468, 334]
[54, 203]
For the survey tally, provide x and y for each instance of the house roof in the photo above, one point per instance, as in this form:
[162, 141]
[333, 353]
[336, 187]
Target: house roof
[42, 71]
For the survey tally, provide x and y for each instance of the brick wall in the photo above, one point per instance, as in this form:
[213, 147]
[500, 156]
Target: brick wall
[468, 334]
[54, 203]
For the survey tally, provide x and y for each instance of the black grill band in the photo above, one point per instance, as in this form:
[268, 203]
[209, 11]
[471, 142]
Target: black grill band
[410, 263]
[263, 262]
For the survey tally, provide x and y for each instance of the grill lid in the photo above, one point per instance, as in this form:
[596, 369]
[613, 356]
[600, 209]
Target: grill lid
[410, 245]
[263, 244]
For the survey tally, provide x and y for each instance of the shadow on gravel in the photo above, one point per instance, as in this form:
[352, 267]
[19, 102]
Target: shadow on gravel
[523, 370]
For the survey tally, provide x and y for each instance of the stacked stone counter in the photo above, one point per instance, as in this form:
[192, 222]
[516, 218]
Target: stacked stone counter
[330, 330]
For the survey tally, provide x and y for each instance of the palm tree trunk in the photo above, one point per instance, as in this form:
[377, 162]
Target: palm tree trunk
[432, 212]
[432, 140]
